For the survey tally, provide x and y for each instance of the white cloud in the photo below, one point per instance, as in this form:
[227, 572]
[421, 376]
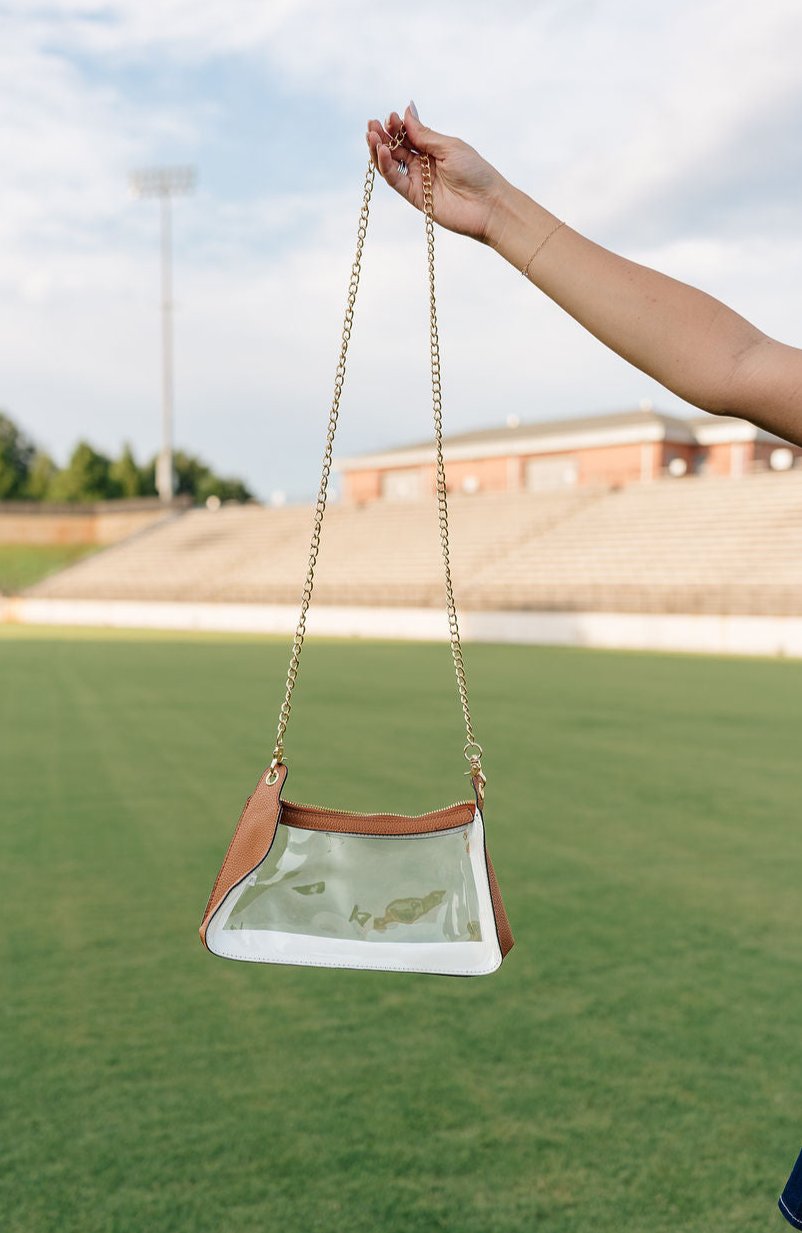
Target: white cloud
[666, 131]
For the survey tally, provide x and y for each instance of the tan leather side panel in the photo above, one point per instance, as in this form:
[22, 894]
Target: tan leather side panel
[318, 818]
[505, 939]
[251, 843]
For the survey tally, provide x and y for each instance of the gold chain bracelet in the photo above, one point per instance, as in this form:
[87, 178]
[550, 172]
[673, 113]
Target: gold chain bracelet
[525, 270]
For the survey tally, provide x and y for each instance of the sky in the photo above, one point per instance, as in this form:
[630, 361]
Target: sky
[671, 133]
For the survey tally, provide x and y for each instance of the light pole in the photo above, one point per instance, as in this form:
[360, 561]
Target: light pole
[165, 183]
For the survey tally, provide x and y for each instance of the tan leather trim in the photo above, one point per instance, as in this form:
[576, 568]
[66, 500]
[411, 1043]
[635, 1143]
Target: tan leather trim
[505, 939]
[251, 842]
[318, 818]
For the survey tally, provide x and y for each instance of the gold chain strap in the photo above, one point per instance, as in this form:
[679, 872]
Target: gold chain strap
[472, 750]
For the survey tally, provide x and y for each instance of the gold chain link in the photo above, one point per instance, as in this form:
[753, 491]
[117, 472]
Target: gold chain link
[472, 750]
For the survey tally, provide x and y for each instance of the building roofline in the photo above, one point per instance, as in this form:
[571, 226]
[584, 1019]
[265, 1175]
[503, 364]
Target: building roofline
[545, 436]
[642, 425]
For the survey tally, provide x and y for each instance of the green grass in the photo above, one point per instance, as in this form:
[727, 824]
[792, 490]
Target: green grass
[21, 565]
[636, 1064]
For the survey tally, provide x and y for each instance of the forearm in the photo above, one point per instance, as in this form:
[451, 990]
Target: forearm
[687, 340]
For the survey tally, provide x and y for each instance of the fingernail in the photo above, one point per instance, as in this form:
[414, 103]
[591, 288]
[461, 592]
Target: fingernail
[387, 123]
[413, 109]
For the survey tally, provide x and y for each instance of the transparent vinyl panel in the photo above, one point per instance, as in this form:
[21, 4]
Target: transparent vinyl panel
[415, 902]
[416, 888]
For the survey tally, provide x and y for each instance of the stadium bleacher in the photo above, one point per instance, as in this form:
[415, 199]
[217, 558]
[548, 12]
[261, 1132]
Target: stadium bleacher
[698, 544]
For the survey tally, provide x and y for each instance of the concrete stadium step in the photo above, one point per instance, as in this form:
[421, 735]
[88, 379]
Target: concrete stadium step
[694, 544]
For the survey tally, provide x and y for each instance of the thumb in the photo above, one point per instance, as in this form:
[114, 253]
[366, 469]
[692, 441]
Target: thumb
[422, 138]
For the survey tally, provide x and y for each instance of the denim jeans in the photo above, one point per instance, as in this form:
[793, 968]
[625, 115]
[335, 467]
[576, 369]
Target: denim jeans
[790, 1203]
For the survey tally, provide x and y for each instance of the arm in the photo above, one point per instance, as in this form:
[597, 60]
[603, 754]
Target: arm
[688, 341]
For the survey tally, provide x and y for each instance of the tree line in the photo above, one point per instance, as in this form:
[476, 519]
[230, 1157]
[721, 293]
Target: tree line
[28, 473]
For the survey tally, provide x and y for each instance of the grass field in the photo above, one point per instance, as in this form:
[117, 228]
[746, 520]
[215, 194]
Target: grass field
[21, 565]
[635, 1066]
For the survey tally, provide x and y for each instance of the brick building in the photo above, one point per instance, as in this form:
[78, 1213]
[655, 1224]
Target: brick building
[622, 448]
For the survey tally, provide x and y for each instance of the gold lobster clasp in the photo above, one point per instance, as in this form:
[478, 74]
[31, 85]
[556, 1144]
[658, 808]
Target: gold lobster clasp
[272, 770]
[473, 752]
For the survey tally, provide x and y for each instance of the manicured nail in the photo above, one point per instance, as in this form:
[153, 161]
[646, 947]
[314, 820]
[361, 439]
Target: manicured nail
[413, 109]
[387, 123]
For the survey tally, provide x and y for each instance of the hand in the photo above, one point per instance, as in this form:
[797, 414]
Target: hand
[466, 190]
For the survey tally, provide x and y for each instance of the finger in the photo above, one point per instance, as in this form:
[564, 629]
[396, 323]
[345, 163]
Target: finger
[388, 168]
[375, 127]
[393, 125]
[401, 153]
[375, 136]
[423, 138]
[375, 144]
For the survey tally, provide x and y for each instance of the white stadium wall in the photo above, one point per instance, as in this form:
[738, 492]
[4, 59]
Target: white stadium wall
[700, 633]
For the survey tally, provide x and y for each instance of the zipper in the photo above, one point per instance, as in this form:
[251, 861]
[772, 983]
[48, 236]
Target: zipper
[373, 813]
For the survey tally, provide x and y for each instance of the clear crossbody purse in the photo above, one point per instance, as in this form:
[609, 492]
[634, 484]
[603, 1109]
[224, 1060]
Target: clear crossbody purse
[305, 884]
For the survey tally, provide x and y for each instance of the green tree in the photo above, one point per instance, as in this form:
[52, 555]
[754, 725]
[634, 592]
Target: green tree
[190, 474]
[41, 474]
[196, 479]
[86, 477]
[148, 474]
[225, 489]
[126, 474]
[27, 472]
[16, 455]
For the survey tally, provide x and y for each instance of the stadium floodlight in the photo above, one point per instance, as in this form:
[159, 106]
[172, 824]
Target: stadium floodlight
[165, 183]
